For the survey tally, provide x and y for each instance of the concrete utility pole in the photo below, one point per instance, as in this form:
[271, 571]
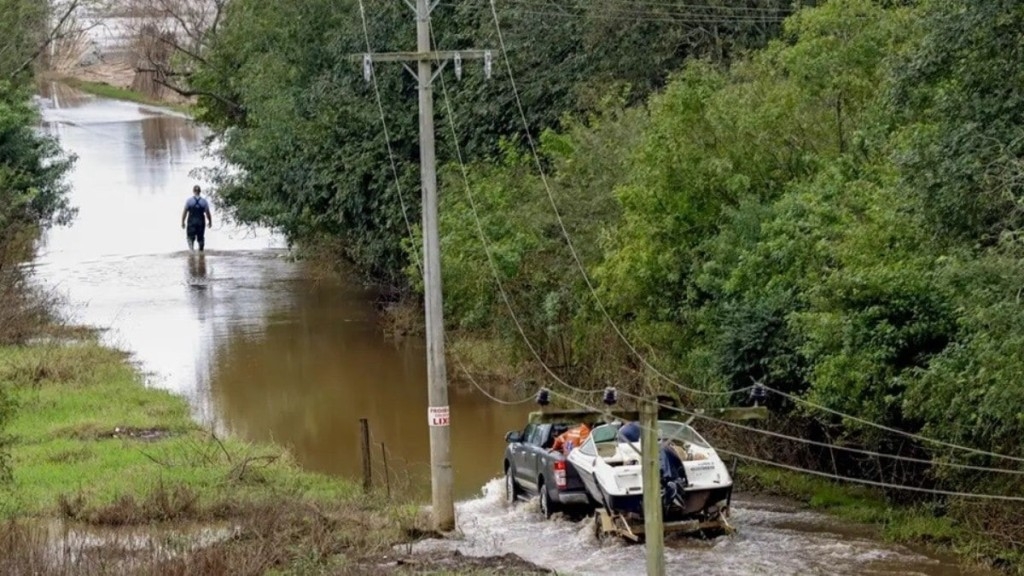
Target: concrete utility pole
[654, 535]
[438, 415]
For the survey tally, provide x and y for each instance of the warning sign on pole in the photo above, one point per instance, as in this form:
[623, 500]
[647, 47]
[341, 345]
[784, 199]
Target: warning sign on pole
[438, 415]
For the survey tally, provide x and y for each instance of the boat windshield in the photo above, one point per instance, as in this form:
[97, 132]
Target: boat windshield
[679, 432]
[604, 433]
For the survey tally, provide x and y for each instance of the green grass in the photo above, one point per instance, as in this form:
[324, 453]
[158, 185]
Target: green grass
[70, 403]
[92, 445]
[116, 93]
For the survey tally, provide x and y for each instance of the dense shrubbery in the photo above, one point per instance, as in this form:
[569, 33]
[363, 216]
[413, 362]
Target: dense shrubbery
[32, 193]
[301, 127]
[836, 215]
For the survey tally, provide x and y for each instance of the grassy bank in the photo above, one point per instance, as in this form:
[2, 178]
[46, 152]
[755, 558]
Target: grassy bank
[93, 447]
[117, 93]
[948, 528]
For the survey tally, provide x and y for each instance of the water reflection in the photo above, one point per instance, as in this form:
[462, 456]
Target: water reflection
[167, 140]
[261, 348]
[200, 289]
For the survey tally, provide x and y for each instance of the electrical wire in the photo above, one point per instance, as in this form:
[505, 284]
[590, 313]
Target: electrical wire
[487, 248]
[561, 381]
[830, 446]
[654, 15]
[891, 429]
[565, 232]
[387, 136]
[652, 11]
[874, 483]
[668, 5]
[485, 392]
[604, 311]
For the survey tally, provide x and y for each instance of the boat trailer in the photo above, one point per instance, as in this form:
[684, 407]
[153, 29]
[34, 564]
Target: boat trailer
[630, 527]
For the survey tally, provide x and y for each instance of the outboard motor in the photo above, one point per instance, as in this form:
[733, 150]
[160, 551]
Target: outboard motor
[673, 477]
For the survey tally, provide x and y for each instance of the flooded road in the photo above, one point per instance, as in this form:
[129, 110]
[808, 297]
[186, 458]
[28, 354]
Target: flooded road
[261, 346]
[774, 538]
[265, 349]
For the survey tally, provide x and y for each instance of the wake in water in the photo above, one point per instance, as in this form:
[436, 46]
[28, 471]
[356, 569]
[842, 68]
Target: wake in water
[773, 539]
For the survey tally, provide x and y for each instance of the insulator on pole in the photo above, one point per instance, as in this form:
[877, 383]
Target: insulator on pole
[487, 64]
[367, 67]
[544, 397]
[458, 66]
[610, 396]
[758, 394]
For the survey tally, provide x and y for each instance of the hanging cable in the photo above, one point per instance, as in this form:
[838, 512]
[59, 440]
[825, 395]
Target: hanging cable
[387, 136]
[604, 311]
[487, 249]
[696, 414]
[892, 430]
[565, 232]
[480, 388]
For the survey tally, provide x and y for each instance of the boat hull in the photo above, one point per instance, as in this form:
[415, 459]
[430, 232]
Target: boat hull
[694, 504]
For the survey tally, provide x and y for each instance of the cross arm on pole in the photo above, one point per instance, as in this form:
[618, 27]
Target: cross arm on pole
[442, 57]
[432, 56]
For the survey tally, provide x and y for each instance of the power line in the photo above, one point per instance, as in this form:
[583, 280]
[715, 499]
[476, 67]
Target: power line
[593, 291]
[487, 248]
[485, 392]
[679, 8]
[892, 430]
[652, 11]
[877, 484]
[600, 304]
[387, 137]
[565, 232]
[829, 445]
[596, 4]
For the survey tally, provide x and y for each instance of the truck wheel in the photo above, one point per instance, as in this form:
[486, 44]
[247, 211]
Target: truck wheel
[547, 507]
[511, 489]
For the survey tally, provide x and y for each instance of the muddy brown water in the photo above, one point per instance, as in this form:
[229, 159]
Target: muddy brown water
[265, 349]
[260, 345]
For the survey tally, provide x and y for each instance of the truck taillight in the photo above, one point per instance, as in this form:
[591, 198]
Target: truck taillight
[560, 474]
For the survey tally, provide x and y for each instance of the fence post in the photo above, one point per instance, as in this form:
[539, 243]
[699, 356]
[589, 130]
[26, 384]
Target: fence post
[364, 432]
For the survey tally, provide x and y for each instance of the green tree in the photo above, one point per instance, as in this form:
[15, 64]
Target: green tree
[32, 168]
[722, 144]
[302, 141]
[960, 95]
[527, 243]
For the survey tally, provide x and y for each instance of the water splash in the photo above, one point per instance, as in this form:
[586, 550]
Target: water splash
[774, 538]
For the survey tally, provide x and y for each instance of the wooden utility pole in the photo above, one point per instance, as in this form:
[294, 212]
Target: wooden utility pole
[654, 536]
[438, 415]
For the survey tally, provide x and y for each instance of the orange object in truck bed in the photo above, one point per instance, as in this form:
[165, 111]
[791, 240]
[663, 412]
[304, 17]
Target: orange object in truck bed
[571, 438]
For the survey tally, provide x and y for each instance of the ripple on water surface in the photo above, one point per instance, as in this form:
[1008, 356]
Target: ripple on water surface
[774, 538]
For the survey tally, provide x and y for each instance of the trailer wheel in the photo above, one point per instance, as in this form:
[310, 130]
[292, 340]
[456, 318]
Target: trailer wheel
[511, 489]
[599, 532]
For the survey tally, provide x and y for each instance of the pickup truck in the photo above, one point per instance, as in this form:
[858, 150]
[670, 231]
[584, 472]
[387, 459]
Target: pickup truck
[532, 468]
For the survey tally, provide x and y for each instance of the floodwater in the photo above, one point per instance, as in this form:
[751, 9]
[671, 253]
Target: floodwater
[260, 345]
[774, 538]
[264, 348]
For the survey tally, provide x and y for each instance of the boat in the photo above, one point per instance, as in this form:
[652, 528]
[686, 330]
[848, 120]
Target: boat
[696, 486]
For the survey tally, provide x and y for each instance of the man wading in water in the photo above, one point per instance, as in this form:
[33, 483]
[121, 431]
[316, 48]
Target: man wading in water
[196, 210]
